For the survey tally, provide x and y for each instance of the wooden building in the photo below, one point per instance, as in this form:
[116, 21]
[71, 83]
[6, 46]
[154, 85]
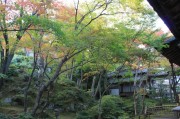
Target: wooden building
[123, 85]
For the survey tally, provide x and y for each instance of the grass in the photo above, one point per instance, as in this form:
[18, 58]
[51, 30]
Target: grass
[11, 110]
[14, 111]
[68, 116]
[9, 90]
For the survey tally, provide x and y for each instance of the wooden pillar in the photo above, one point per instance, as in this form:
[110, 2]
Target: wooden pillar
[174, 84]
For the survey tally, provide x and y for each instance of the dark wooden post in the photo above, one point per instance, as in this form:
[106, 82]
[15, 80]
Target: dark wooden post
[174, 83]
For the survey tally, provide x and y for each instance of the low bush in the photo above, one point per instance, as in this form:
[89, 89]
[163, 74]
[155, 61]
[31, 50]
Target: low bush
[4, 116]
[25, 116]
[69, 97]
[19, 99]
[112, 107]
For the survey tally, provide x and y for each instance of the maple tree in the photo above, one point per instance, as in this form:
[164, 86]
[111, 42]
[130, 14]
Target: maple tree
[70, 38]
[19, 17]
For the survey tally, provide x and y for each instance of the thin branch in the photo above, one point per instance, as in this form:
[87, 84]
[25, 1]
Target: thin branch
[92, 19]
[21, 29]
[88, 9]
[75, 66]
[118, 13]
[72, 55]
[65, 59]
[85, 15]
[47, 75]
[76, 6]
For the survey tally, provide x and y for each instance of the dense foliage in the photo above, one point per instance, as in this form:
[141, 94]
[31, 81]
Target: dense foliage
[113, 107]
[69, 97]
[57, 58]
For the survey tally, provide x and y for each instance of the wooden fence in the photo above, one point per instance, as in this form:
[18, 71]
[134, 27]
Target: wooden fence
[160, 111]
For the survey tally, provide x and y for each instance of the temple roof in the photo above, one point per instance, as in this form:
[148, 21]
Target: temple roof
[169, 12]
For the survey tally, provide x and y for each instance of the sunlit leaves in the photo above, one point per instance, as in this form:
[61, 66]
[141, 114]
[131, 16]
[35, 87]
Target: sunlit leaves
[44, 24]
[133, 4]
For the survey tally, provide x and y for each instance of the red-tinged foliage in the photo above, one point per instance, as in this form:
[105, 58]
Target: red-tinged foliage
[51, 9]
[65, 13]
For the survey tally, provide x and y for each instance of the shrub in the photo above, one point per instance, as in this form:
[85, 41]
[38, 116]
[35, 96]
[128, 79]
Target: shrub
[112, 107]
[129, 106]
[150, 102]
[69, 97]
[83, 115]
[12, 72]
[25, 116]
[19, 99]
[3, 76]
[3, 116]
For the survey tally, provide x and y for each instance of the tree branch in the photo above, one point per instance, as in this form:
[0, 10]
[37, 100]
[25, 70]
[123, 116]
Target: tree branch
[96, 6]
[76, 6]
[74, 66]
[101, 13]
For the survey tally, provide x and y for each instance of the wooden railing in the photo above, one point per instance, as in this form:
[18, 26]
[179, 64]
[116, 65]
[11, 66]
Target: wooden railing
[160, 110]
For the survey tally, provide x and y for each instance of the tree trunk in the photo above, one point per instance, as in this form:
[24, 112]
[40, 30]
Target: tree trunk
[67, 74]
[6, 63]
[176, 97]
[38, 98]
[97, 88]
[174, 84]
[135, 103]
[2, 58]
[170, 91]
[72, 70]
[100, 98]
[1, 83]
[150, 85]
[29, 83]
[92, 86]
[26, 94]
[135, 96]
[47, 101]
[79, 85]
[50, 82]
[143, 105]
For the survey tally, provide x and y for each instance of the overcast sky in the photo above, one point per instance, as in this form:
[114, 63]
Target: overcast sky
[159, 24]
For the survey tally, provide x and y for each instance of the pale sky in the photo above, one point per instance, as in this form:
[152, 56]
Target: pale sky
[159, 24]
